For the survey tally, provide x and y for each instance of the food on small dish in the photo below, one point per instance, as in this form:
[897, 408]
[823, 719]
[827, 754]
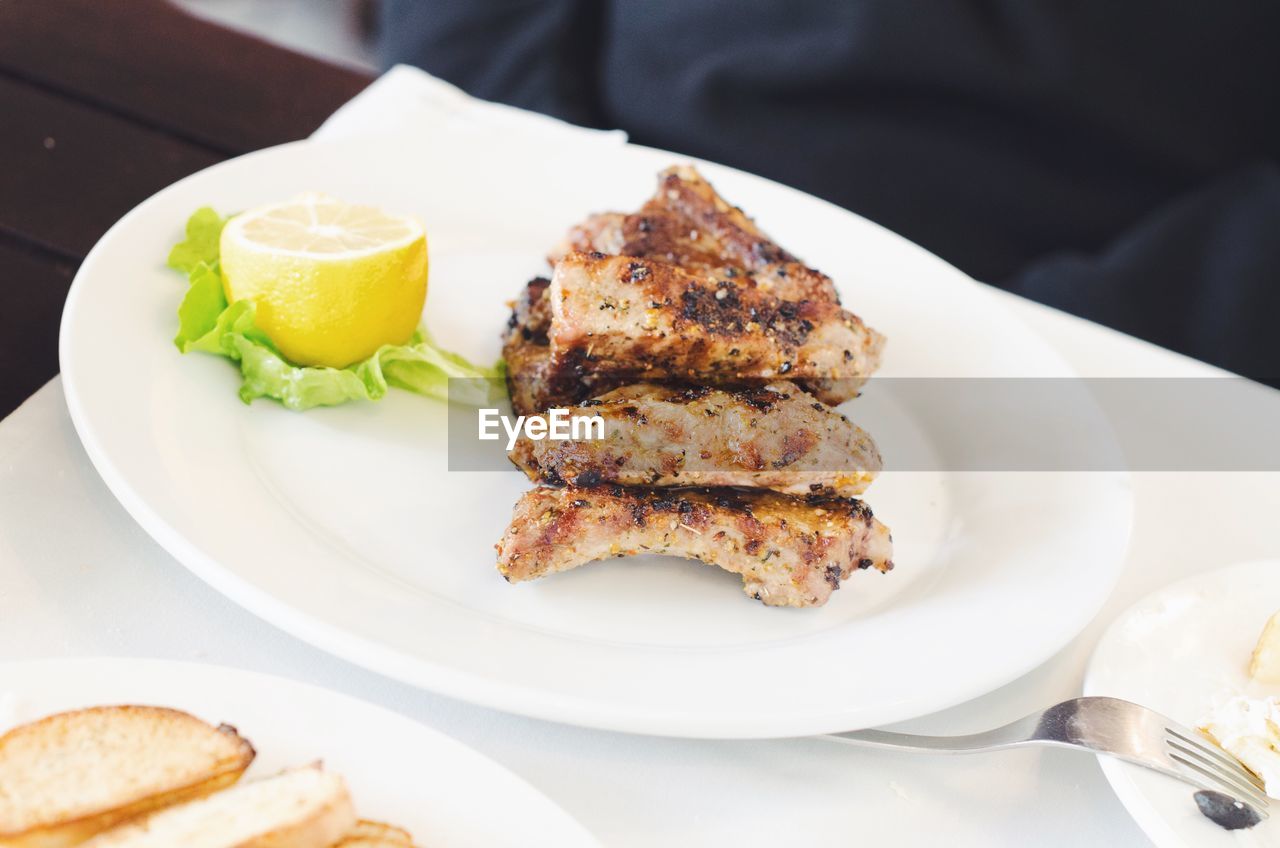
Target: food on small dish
[1249, 729]
[352, 297]
[374, 834]
[630, 319]
[1264, 664]
[790, 551]
[1225, 811]
[68, 776]
[333, 281]
[303, 808]
[153, 777]
[772, 437]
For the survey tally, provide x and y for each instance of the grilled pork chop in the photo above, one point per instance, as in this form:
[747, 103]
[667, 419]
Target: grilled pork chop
[631, 320]
[532, 383]
[528, 356]
[770, 437]
[685, 223]
[534, 386]
[790, 551]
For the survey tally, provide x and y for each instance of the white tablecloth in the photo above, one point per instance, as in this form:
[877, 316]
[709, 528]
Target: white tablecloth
[78, 577]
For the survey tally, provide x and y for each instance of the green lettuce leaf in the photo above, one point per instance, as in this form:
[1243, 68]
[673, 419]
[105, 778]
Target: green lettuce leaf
[207, 323]
[199, 311]
[204, 229]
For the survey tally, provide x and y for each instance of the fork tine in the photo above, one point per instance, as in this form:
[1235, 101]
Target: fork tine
[1213, 752]
[1195, 739]
[1237, 785]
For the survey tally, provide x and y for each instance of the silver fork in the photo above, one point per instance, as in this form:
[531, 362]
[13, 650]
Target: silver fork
[1104, 726]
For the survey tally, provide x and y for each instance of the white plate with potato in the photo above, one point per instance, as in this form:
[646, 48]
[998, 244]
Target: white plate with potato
[388, 768]
[1184, 651]
[345, 527]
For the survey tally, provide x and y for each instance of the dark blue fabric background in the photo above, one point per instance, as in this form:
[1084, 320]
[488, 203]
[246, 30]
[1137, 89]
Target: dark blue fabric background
[1115, 159]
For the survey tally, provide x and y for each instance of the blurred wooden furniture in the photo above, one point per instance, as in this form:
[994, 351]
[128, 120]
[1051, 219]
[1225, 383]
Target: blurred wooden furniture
[102, 103]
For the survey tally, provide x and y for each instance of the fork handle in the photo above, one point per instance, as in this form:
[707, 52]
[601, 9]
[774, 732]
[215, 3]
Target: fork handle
[1016, 734]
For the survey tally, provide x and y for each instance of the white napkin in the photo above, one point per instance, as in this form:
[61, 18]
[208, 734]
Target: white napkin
[408, 102]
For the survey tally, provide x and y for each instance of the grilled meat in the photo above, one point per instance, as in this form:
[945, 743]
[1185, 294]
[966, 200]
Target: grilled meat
[689, 292]
[527, 354]
[790, 551]
[627, 320]
[685, 223]
[770, 437]
[533, 385]
[530, 313]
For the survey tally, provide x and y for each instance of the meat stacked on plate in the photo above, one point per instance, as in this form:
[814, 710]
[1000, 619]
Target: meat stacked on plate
[715, 358]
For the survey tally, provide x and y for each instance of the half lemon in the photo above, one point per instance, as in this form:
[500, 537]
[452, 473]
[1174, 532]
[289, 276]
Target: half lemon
[332, 281]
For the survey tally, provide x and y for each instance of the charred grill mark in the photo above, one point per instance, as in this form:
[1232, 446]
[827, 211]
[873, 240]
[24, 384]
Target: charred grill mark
[853, 507]
[732, 500]
[529, 316]
[760, 398]
[690, 394]
[832, 575]
[700, 307]
[794, 446]
[723, 312]
[636, 272]
[633, 413]
[587, 479]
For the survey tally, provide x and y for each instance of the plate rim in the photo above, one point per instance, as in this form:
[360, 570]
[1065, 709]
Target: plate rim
[479, 688]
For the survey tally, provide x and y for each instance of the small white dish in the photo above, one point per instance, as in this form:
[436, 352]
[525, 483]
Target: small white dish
[398, 770]
[1176, 651]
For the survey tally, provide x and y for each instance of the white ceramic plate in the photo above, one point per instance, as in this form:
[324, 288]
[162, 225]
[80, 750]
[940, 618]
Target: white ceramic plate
[398, 770]
[344, 527]
[1176, 651]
